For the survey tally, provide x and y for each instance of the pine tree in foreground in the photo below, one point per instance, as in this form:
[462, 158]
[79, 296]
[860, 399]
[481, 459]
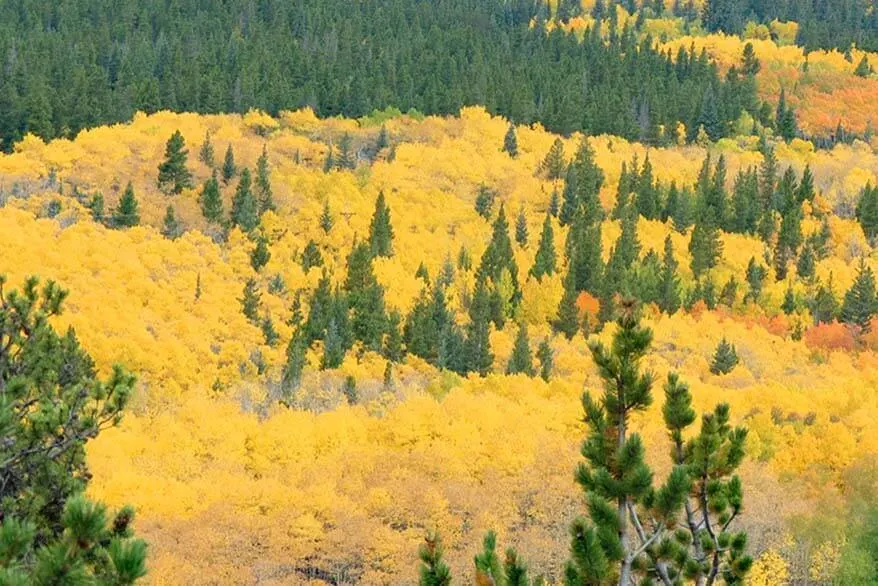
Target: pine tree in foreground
[860, 302]
[127, 214]
[433, 571]
[173, 174]
[725, 358]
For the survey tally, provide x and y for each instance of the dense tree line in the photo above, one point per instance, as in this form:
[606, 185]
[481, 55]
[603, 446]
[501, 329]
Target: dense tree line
[69, 65]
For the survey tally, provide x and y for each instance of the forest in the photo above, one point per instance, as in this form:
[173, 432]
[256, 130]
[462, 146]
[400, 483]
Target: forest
[596, 307]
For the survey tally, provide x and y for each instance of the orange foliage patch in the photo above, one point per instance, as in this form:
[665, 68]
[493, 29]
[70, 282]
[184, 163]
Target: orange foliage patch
[834, 336]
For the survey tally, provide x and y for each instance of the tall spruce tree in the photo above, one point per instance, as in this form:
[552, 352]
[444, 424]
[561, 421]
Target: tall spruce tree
[725, 358]
[347, 158]
[127, 213]
[824, 306]
[546, 356]
[478, 342]
[366, 298]
[544, 260]
[211, 201]
[381, 230]
[554, 165]
[484, 204]
[326, 219]
[229, 169]
[510, 142]
[867, 211]
[170, 225]
[521, 229]
[861, 301]
[250, 301]
[567, 319]
[173, 174]
[260, 255]
[669, 282]
[206, 154]
[521, 360]
[499, 271]
[756, 275]
[264, 195]
[245, 209]
[705, 245]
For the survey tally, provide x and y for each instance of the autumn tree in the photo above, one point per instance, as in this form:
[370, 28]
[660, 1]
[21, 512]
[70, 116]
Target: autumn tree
[264, 195]
[860, 302]
[544, 260]
[211, 201]
[725, 358]
[53, 404]
[127, 212]
[245, 209]
[510, 142]
[381, 230]
[173, 174]
[521, 360]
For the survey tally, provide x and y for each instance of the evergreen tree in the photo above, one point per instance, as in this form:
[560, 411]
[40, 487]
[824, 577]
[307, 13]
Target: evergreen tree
[319, 310]
[729, 293]
[683, 213]
[211, 201]
[510, 142]
[521, 229]
[349, 390]
[173, 174]
[96, 206]
[824, 306]
[269, 333]
[311, 256]
[705, 245]
[725, 358]
[127, 214]
[863, 68]
[478, 342]
[554, 165]
[260, 255]
[785, 119]
[756, 275]
[198, 287]
[381, 230]
[433, 571]
[366, 298]
[329, 163]
[393, 343]
[499, 271]
[291, 378]
[250, 301]
[546, 357]
[206, 155]
[53, 404]
[229, 168]
[554, 204]
[485, 201]
[750, 65]
[669, 281]
[745, 203]
[861, 302]
[170, 226]
[422, 273]
[521, 360]
[347, 158]
[383, 140]
[245, 210]
[544, 260]
[326, 219]
[789, 300]
[337, 337]
[264, 195]
[806, 264]
[867, 211]
[567, 321]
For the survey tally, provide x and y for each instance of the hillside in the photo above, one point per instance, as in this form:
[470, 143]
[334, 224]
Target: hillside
[362, 304]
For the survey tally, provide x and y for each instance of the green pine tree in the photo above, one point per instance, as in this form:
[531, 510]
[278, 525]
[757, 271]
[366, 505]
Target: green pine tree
[264, 195]
[206, 154]
[546, 356]
[269, 333]
[127, 214]
[725, 358]
[824, 306]
[567, 320]
[347, 158]
[705, 245]
[521, 229]
[510, 142]
[478, 342]
[173, 174]
[291, 378]
[211, 201]
[860, 302]
[863, 68]
[96, 206]
[729, 293]
[789, 300]
[521, 360]
[554, 204]
[554, 164]
[366, 298]
[245, 209]
[756, 275]
[329, 163]
[326, 219]
[260, 255]
[229, 169]
[433, 571]
[867, 211]
[170, 225]
[311, 256]
[349, 390]
[669, 282]
[485, 201]
[381, 230]
[393, 343]
[251, 301]
[383, 140]
[806, 265]
[544, 260]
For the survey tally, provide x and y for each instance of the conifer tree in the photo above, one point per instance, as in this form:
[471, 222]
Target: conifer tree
[544, 260]
[383, 140]
[705, 245]
[422, 273]
[393, 343]
[498, 261]
[229, 168]
[311, 256]
[250, 301]
[682, 215]
[750, 65]
[170, 225]
[96, 206]
[264, 195]
[260, 255]
[446, 274]
[245, 210]
[510, 142]
[211, 201]
[546, 357]
[789, 300]
[381, 230]
[206, 155]
[521, 360]
[291, 378]
[785, 119]
[805, 266]
[860, 302]
[863, 68]
[329, 163]
[824, 306]
[729, 293]
[521, 229]
[337, 337]
[554, 165]
[319, 310]
[366, 298]
[725, 358]
[198, 287]
[567, 321]
[669, 282]
[127, 213]
[485, 201]
[326, 219]
[349, 390]
[433, 571]
[347, 158]
[745, 203]
[756, 274]
[173, 174]
[554, 204]
[269, 333]
[867, 211]
[478, 342]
